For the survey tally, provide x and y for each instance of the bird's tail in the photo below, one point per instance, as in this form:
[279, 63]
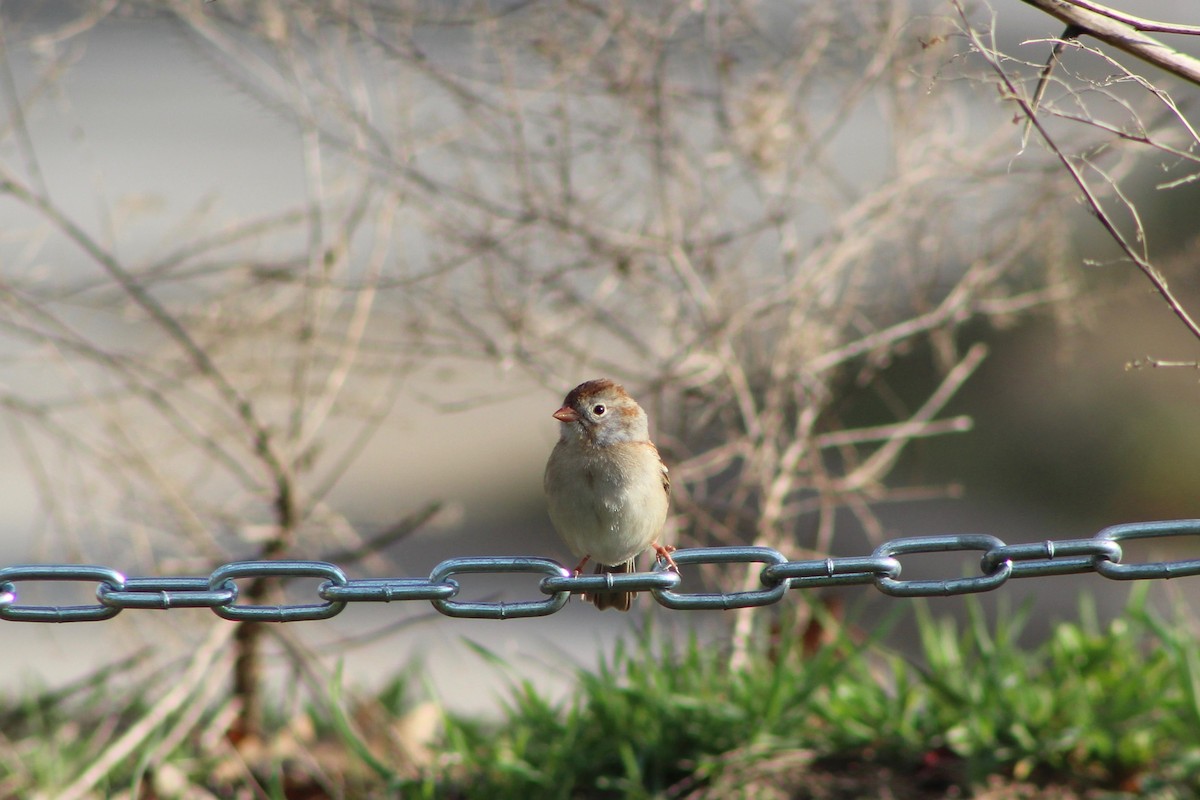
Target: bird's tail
[621, 601]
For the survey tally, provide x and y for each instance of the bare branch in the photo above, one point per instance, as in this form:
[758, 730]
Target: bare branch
[1139, 23]
[1125, 33]
[1013, 93]
[880, 462]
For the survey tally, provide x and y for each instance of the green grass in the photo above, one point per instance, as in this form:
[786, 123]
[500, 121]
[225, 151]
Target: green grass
[1096, 710]
[1093, 708]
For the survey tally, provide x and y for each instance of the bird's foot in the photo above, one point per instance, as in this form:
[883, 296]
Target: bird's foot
[663, 553]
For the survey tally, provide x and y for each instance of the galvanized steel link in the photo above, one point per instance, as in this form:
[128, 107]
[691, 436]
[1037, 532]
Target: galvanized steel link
[1146, 530]
[445, 571]
[773, 592]
[219, 591]
[1039, 559]
[1000, 571]
[223, 577]
[11, 576]
[165, 593]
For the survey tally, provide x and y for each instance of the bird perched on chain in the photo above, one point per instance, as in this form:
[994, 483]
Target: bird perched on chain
[606, 486]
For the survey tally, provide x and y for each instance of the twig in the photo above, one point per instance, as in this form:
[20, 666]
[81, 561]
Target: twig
[1155, 363]
[876, 433]
[879, 462]
[1139, 23]
[388, 536]
[195, 677]
[1012, 93]
[1124, 32]
[1071, 33]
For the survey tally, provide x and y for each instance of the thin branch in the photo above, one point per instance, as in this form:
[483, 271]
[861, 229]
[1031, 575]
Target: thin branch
[387, 537]
[880, 433]
[1156, 363]
[1140, 23]
[882, 460]
[1093, 201]
[183, 688]
[239, 404]
[16, 111]
[1124, 33]
[1071, 33]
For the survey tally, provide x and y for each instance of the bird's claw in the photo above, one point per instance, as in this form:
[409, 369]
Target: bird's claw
[663, 553]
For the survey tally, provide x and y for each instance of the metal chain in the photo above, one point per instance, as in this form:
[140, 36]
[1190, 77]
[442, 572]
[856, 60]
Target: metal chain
[219, 591]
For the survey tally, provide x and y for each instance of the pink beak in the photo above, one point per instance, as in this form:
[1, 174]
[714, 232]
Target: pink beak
[566, 414]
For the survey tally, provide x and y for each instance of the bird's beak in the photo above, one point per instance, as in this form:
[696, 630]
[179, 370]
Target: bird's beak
[566, 414]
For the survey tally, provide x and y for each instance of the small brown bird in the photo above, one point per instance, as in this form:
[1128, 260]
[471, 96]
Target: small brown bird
[606, 486]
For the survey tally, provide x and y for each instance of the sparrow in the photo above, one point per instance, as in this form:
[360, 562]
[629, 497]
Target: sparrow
[607, 489]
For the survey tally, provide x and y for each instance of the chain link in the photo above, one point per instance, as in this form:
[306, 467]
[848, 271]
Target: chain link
[219, 591]
[999, 573]
[772, 593]
[11, 576]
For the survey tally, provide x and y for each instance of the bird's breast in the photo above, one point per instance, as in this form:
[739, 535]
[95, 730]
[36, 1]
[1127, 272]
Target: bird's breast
[609, 502]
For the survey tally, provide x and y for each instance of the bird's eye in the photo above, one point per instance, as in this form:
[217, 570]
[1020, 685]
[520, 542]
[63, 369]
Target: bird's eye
[598, 409]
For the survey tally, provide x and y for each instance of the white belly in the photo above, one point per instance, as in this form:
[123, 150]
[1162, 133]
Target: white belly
[600, 514]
